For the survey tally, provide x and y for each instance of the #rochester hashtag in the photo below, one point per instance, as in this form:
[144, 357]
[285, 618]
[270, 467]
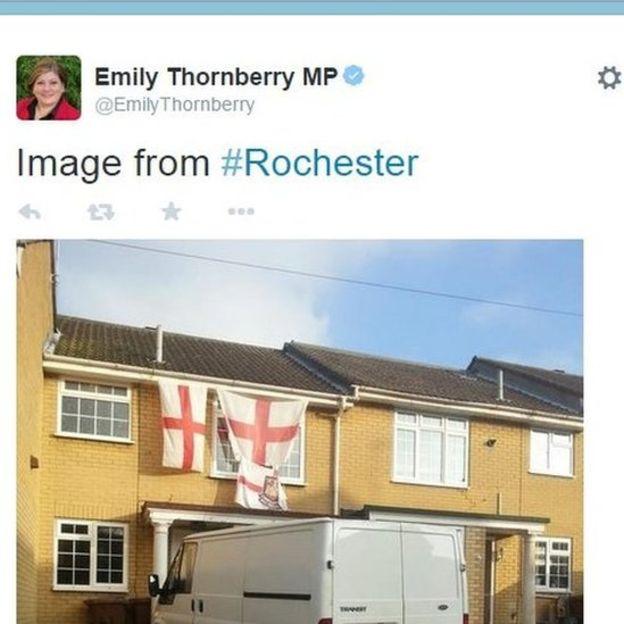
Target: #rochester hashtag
[257, 162]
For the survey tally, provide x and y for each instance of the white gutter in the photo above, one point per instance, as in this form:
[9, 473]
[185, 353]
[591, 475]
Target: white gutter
[467, 408]
[61, 364]
[64, 365]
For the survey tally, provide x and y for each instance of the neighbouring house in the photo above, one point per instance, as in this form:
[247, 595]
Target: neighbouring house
[556, 387]
[382, 439]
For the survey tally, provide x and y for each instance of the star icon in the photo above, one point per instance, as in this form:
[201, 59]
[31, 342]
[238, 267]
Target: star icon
[171, 212]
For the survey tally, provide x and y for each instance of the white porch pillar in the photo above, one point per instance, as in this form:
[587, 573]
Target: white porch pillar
[161, 549]
[528, 580]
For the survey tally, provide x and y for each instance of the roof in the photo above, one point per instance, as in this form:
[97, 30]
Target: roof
[298, 365]
[350, 368]
[136, 346]
[557, 378]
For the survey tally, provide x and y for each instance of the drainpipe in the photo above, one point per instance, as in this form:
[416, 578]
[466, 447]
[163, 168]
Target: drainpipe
[336, 485]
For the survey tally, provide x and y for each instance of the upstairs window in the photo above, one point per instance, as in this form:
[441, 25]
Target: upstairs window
[225, 465]
[552, 453]
[430, 450]
[95, 411]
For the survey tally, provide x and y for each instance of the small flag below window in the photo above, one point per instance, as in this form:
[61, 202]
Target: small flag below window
[258, 487]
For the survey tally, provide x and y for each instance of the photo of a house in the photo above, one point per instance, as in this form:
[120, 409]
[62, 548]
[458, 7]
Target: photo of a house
[493, 449]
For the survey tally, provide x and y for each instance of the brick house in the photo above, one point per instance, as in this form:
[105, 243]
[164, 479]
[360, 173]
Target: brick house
[382, 439]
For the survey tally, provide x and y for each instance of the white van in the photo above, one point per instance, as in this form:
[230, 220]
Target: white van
[319, 571]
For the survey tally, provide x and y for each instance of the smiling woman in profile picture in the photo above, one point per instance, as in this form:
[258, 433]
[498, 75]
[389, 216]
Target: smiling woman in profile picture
[47, 84]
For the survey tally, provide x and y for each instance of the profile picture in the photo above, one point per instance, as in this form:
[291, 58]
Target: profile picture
[48, 88]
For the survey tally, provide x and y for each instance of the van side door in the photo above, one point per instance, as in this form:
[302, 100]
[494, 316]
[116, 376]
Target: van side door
[174, 604]
[432, 575]
[218, 583]
[367, 573]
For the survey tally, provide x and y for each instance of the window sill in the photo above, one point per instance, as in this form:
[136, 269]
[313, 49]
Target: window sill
[551, 474]
[549, 592]
[85, 589]
[91, 438]
[425, 484]
[232, 477]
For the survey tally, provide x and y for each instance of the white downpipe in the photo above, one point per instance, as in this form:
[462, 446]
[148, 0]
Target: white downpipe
[336, 484]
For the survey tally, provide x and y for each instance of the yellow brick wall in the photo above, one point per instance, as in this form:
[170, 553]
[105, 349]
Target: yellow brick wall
[508, 599]
[109, 481]
[501, 470]
[34, 324]
[474, 544]
[561, 499]
[84, 480]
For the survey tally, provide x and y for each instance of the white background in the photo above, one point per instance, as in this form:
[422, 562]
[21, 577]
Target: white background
[516, 140]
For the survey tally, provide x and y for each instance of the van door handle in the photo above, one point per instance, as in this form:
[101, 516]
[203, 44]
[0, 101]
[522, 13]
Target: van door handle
[443, 607]
[201, 606]
[193, 604]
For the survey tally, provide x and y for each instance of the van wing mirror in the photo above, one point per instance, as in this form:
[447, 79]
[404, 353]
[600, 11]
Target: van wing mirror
[153, 586]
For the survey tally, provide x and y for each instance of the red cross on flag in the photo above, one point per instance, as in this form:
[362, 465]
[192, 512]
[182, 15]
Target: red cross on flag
[261, 430]
[183, 410]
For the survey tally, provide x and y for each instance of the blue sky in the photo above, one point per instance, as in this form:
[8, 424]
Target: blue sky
[260, 307]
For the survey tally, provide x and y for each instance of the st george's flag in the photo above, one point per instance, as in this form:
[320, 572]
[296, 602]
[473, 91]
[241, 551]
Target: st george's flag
[183, 419]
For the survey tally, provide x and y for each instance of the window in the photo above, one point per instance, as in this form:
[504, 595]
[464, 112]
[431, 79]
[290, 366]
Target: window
[90, 556]
[552, 564]
[225, 465]
[552, 453]
[430, 449]
[95, 411]
[180, 576]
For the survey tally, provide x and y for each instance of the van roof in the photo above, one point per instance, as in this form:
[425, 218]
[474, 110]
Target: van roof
[259, 527]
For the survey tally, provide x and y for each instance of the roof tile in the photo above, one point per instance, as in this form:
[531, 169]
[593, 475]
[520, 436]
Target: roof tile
[135, 346]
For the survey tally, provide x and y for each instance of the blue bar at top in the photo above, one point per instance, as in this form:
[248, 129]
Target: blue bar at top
[320, 7]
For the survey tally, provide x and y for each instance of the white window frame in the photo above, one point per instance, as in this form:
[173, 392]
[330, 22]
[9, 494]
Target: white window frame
[549, 541]
[534, 469]
[445, 432]
[223, 474]
[91, 537]
[64, 392]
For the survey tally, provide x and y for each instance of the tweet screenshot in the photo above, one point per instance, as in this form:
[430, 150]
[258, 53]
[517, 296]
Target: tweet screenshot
[304, 306]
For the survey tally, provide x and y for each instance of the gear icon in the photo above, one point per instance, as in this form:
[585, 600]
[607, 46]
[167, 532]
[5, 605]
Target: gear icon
[610, 77]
